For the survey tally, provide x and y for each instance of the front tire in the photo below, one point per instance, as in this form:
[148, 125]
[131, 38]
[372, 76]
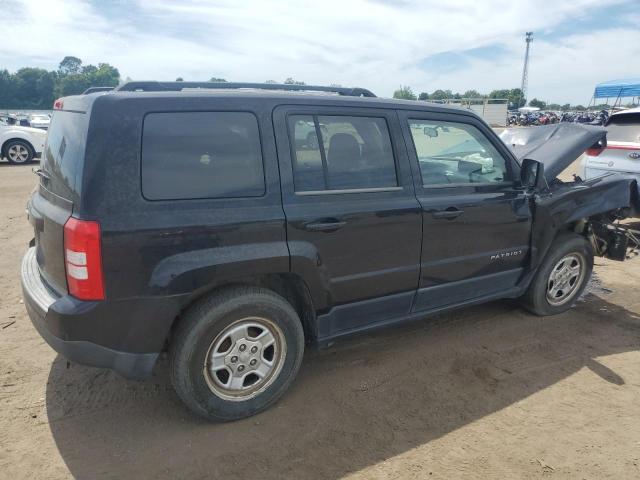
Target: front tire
[562, 276]
[19, 152]
[235, 353]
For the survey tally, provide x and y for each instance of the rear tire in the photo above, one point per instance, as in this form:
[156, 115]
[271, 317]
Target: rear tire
[235, 353]
[19, 152]
[562, 276]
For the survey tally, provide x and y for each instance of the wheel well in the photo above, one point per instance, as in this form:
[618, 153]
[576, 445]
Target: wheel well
[289, 286]
[3, 150]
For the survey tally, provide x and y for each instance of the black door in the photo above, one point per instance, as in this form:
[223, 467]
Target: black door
[476, 219]
[353, 221]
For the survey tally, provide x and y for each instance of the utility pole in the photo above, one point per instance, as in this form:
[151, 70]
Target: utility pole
[525, 69]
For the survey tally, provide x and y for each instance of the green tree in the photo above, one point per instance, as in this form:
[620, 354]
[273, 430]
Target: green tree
[291, 81]
[69, 65]
[104, 75]
[33, 88]
[579, 107]
[554, 106]
[423, 96]
[565, 107]
[516, 99]
[179, 79]
[6, 89]
[404, 93]
[504, 93]
[472, 94]
[217, 80]
[441, 95]
[538, 103]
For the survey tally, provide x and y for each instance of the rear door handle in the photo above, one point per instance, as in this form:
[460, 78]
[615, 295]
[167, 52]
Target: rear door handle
[324, 225]
[448, 214]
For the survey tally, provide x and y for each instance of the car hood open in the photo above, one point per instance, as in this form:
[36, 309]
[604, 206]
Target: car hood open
[555, 146]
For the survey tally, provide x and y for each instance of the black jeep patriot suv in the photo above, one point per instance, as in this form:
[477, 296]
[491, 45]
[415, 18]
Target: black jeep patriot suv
[230, 224]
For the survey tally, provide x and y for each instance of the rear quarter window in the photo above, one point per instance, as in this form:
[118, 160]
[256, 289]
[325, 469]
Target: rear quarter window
[192, 155]
[63, 156]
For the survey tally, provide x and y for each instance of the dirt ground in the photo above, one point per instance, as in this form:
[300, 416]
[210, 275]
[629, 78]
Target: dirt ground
[486, 392]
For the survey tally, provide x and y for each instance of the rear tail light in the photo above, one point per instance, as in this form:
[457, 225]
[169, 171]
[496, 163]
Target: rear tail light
[594, 152]
[83, 259]
[58, 104]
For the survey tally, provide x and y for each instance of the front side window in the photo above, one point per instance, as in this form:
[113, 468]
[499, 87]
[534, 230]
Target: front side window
[341, 153]
[189, 155]
[455, 153]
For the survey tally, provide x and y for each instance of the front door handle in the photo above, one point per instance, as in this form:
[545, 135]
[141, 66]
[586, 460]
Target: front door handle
[448, 214]
[324, 225]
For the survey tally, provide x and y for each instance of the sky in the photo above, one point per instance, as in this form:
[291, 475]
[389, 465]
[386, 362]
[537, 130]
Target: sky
[375, 44]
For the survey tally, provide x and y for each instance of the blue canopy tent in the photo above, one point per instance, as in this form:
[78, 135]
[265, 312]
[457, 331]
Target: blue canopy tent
[629, 87]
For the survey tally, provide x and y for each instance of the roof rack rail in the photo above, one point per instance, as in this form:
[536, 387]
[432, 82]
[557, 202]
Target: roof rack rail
[97, 89]
[154, 86]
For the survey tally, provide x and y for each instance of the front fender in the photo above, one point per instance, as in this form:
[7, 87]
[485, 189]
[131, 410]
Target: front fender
[569, 203]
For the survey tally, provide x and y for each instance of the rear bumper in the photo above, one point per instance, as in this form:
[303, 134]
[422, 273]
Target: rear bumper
[48, 311]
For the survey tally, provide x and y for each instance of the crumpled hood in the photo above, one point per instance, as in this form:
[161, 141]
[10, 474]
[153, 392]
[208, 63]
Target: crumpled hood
[556, 146]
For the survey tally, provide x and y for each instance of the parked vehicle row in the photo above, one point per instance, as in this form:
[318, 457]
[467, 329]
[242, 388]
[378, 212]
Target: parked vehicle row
[532, 118]
[590, 118]
[550, 117]
[35, 120]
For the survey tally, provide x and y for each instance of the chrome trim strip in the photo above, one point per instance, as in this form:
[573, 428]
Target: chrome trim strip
[32, 281]
[350, 190]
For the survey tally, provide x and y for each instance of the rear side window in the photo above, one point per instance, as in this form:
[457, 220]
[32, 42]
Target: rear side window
[189, 155]
[341, 153]
[624, 128]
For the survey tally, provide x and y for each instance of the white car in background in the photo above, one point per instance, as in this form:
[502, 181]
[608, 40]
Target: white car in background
[21, 145]
[622, 153]
[39, 121]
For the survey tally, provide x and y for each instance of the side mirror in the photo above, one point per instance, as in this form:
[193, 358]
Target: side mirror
[430, 132]
[532, 175]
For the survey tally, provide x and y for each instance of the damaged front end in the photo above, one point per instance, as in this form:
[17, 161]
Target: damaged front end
[594, 208]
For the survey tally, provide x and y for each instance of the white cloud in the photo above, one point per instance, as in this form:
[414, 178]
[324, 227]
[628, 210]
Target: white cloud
[377, 45]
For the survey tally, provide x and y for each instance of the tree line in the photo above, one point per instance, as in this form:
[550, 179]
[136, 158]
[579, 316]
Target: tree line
[37, 88]
[513, 95]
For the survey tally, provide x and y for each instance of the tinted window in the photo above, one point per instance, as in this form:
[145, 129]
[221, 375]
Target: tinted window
[201, 155]
[63, 156]
[352, 153]
[455, 153]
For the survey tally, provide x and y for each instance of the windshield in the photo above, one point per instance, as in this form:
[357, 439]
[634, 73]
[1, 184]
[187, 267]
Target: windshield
[624, 128]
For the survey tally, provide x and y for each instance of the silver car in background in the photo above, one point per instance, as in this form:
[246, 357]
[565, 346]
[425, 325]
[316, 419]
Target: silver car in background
[622, 153]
